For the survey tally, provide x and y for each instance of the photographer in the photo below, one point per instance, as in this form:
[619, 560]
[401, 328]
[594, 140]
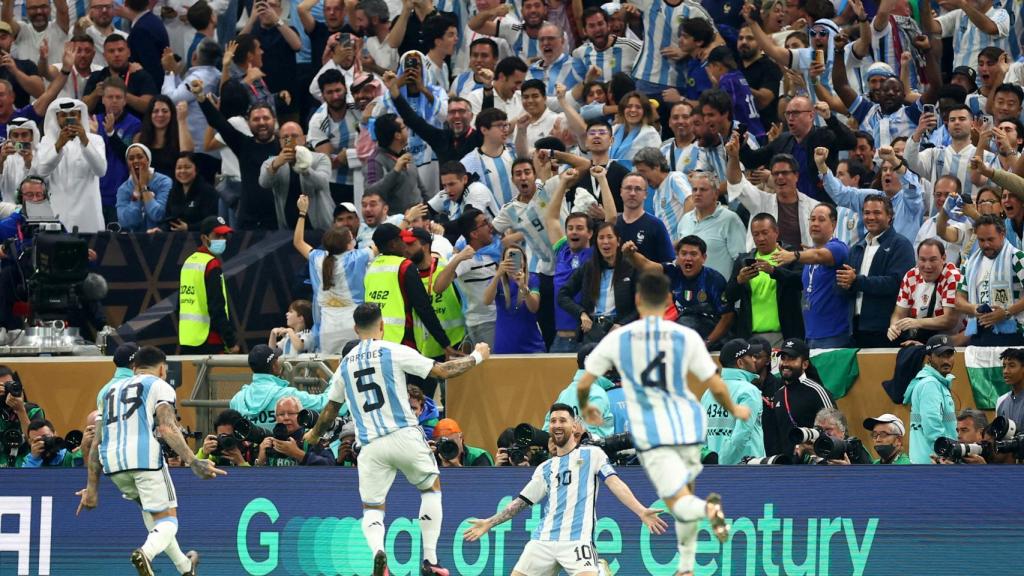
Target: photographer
[286, 447]
[16, 412]
[1011, 404]
[446, 434]
[47, 450]
[932, 413]
[797, 402]
[347, 451]
[887, 433]
[225, 448]
[257, 400]
[970, 429]
[832, 423]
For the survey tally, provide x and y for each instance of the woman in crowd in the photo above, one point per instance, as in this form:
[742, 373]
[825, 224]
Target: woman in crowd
[192, 198]
[295, 337]
[963, 213]
[142, 199]
[636, 127]
[165, 131]
[605, 286]
[336, 271]
[517, 293]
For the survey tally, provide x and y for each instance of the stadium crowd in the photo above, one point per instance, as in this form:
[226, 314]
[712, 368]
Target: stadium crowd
[504, 172]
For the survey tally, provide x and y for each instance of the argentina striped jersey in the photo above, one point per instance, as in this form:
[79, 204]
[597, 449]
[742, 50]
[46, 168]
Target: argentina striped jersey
[569, 484]
[128, 413]
[340, 134]
[494, 173]
[661, 28]
[620, 56]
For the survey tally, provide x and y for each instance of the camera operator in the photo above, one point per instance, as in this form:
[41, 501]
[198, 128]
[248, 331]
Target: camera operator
[832, 423]
[257, 400]
[347, 451]
[887, 433]
[47, 450]
[16, 154]
[447, 430]
[16, 412]
[932, 413]
[1011, 404]
[505, 440]
[598, 419]
[286, 447]
[970, 429]
[224, 447]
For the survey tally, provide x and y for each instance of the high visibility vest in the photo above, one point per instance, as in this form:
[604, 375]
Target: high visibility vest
[448, 309]
[193, 314]
[381, 285]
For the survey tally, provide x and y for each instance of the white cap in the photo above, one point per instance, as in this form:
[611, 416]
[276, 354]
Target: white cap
[869, 423]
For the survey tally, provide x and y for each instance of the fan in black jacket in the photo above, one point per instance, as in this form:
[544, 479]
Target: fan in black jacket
[456, 139]
[192, 198]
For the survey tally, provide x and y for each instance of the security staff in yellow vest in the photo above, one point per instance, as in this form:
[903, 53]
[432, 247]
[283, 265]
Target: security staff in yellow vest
[394, 282]
[446, 304]
[204, 324]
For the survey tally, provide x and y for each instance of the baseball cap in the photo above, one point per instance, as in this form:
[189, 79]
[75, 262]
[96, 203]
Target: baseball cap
[796, 348]
[5, 28]
[735, 349]
[869, 423]
[446, 427]
[261, 358]
[385, 233]
[968, 72]
[343, 207]
[410, 235]
[214, 224]
[938, 344]
[124, 354]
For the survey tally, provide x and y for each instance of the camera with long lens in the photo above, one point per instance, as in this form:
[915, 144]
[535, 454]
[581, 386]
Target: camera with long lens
[447, 448]
[767, 460]
[804, 435]
[307, 419]
[246, 430]
[950, 449]
[619, 447]
[527, 436]
[227, 442]
[51, 446]
[73, 439]
[831, 448]
[11, 439]
[1007, 438]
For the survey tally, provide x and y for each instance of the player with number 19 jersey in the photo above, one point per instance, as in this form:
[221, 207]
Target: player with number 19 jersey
[654, 356]
[128, 412]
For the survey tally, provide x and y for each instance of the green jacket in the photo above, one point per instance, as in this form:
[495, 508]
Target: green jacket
[598, 398]
[732, 438]
[257, 401]
[932, 413]
[473, 456]
[901, 459]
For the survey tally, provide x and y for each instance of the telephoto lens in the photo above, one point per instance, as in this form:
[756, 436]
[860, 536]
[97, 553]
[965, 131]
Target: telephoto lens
[447, 448]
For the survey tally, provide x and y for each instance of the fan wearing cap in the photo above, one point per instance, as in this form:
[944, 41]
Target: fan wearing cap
[204, 322]
[257, 400]
[887, 433]
[731, 438]
[797, 402]
[142, 199]
[295, 172]
[393, 282]
[932, 412]
[448, 429]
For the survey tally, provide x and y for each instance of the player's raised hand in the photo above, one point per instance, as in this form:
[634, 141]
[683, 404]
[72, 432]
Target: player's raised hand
[205, 469]
[89, 500]
[480, 527]
[651, 519]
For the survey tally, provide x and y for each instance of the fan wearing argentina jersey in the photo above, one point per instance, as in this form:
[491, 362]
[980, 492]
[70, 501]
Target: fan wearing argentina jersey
[492, 161]
[371, 381]
[333, 130]
[603, 51]
[682, 150]
[654, 358]
[134, 413]
[458, 193]
[564, 539]
[670, 199]
[654, 71]
[554, 66]
[954, 159]
[974, 25]
[483, 55]
[523, 37]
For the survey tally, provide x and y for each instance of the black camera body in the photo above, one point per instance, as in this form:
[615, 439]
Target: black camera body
[226, 442]
[619, 447]
[14, 387]
[246, 430]
[831, 448]
[307, 419]
[51, 446]
[1013, 446]
[11, 439]
[527, 436]
[447, 448]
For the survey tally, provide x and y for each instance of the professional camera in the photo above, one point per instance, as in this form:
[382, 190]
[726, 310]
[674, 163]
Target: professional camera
[246, 430]
[1013, 446]
[950, 449]
[618, 447]
[804, 435]
[226, 442]
[11, 439]
[73, 439]
[1002, 428]
[307, 419]
[526, 436]
[831, 448]
[447, 448]
[14, 388]
[773, 459]
[281, 432]
[187, 434]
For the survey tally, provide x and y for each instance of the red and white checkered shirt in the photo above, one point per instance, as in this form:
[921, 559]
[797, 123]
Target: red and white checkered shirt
[916, 294]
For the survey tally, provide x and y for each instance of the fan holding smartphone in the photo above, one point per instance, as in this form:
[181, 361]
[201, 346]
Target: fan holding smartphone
[515, 294]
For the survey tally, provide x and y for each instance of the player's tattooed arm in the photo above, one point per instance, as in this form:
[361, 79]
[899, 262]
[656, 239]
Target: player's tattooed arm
[167, 421]
[89, 495]
[481, 526]
[453, 368]
[327, 417]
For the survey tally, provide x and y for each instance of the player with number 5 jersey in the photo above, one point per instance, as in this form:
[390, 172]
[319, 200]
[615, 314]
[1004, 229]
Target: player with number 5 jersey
[654, 357]
[371, 380]
[564, 539]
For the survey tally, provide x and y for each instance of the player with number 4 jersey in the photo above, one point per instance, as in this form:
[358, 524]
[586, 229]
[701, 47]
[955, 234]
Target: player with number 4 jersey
[564, 539]
[654, 358]
[371, 380]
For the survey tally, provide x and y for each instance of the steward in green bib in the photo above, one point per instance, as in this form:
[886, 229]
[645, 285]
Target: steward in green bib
[204, 324]
[731, 438]
[394, 283]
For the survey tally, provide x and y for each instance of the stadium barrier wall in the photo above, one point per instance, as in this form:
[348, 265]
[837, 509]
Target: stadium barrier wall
[813, 521]
[502, 392]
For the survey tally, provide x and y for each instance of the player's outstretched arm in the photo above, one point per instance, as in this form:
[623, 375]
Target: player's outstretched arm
[583, 390]
[90, 497]
[167, 422]
[330, 413]
[721, 394]
[649, 516]
[460, 366]
[481, 526]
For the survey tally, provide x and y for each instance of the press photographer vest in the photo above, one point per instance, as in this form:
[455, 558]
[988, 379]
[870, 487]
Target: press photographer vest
[381, 285]
[193, 315]
[448, 309]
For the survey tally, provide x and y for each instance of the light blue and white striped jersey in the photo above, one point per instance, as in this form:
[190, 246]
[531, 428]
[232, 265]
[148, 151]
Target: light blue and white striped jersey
[885, 47]
[885, 128]
[476, 195]
[494, 173]
[800, 61]
[340, 134]
[668, 199]
[371, 379]
[661, 28]
[654, 357]
[512, 31]
[128, 412]
[969, 39]
[559, 72]
[435, 75]
[848, 225]
[464, 84]
[938, 161]
[680, 159]
[619, 56]
[570, 486]
[528, 218]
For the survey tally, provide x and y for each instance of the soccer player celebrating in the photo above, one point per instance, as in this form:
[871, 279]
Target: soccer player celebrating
[564, 538]
[654, 357]
[371, 378]
[127, 449]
